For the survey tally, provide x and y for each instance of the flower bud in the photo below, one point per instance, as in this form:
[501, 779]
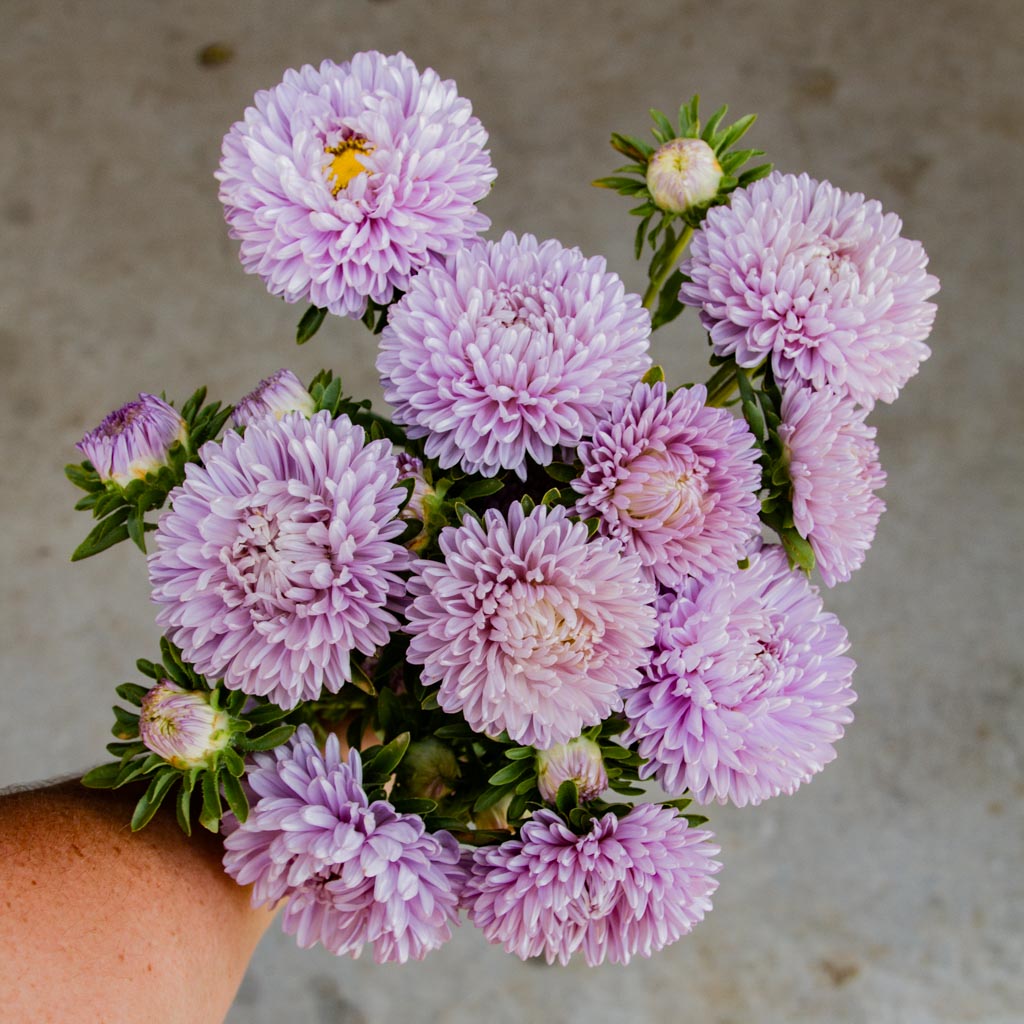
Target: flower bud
[580, 760]
[429, 769]
[181, 726]
[133, 440]
[683, 173]
[411, 468]
[278, 394]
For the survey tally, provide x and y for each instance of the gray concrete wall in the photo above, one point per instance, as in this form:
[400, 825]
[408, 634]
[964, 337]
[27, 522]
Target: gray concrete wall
[890, 890]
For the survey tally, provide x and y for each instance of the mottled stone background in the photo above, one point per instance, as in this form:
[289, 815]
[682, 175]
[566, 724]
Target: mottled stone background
[888, 891]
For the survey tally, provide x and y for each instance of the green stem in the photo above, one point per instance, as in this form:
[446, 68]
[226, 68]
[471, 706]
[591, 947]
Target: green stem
[723, 383]
[658, 282]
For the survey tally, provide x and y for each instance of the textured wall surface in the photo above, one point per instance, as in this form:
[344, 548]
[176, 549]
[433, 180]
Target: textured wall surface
[891, 889]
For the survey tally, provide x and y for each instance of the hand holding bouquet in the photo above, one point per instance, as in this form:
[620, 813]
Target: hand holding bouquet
[420, 664]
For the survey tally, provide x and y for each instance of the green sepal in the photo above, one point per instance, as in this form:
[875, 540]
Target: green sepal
[799, 551]
[233, 762]
[183, 807]
[126, 724]
[84, 476]
[310, 323]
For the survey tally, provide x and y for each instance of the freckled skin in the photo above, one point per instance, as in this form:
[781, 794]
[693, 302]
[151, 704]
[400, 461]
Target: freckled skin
[82, 940]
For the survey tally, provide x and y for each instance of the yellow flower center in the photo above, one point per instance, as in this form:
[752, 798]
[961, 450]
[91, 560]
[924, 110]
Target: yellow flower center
[345, 164]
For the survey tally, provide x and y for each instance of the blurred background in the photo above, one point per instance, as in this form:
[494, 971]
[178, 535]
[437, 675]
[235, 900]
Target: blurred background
[889, 890]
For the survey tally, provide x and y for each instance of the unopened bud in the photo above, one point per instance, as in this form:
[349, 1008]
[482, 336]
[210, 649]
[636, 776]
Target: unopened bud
[683, 173]
[579, 760]
[429, 769]
[134, 440]
[277, 395]
[181, 726]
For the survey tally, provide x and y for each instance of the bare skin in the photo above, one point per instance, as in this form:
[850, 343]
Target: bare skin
[98, 924]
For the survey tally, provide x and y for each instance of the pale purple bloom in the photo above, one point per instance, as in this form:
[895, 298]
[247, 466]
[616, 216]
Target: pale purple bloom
[529, 626]
[344, 180]
[134, 440]
[833, 465]
[579, 761]
[818, 279]
[181, 726]
[748, 688]
[280, 393]
[353, 872]
[277, 559]
[629, 886]
[510, 351]
[674, 481]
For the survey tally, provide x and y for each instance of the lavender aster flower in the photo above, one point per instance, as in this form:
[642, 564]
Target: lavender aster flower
[280, 393]
[834, 468]
[344, 180]
[354, 872]
[629, 886]
[747, 689]
[818, 279]
[133, 440]
[181, 726]
[674, 481]
[278, 559]
[509, 351]
[529, 626]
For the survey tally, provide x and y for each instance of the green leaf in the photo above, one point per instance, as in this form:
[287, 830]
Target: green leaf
[669, 306]
[106, 535]
[510, 773]
[151, 800]
[798, 549]
[517, 807]
[126, 724]
[183, 808]
[567, 797]
[265, 714]
[655, 375]
[233, 762]
[132, 692]
[309, 324]
[563, 472]
[268, 740]
[102, 776]
[84, 477]
[491, 796]
[387, 759]
[733, 133]
[461, 510]
[414, 805]
[210, 815]
[429, 702]
[754, 174]
[713, 122]
[235, 796]
[481, 488]
[389, 710]
[519, 753]
[663, 130]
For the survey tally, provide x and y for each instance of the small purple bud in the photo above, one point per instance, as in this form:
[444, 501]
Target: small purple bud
[277, 395]
[134, 440]
[181, 726]
[683, 173]
[411, 468]
[580, 760]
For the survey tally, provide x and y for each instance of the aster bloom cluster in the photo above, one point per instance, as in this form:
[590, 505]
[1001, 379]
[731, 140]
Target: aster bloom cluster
[428, 666]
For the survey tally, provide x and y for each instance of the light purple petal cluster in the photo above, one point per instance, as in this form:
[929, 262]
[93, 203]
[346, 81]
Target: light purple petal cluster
[818, 279]
[344, 180]
[353, 872]
[629, 886]
[529, 626]
[834, 469]
[674, 481]
[278, 394]
[133, 440]
[278, 559]
[509, 351]
[748, 687]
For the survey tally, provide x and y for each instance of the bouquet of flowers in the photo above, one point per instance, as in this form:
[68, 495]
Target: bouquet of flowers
[422, 663]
